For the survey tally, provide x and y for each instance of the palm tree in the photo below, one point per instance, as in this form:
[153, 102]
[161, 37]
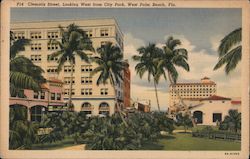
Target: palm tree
[232, 121]
[110, 66]
[147, 63]
[23, 73]
[173, 57]
[74, 41]
[22, 133]
[230, 51]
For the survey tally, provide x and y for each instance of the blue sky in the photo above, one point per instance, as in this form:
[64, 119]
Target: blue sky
[200, 31]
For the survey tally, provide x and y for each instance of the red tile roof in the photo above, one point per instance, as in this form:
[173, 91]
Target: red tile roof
[55, 80]
[236, 102]
[215, 97]
[44, 86]
[205, 78]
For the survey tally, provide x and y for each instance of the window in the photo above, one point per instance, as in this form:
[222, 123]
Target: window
[53, 96]
[42, 95]
[210, 101]
[19, 35]
[86, 68]
[35, 46]
[86, 80]
[36, 94]
[35, 58]
[86, 91]
[104, 91]
[89, 33]
[36, 35]
[52, 34]
[51, 59]
[68, 69]
[58, 96]
[67, 80]
[223, 101]
[66, 92]
[52, 69]
[217, 117]
[52, 46]
[104, 32]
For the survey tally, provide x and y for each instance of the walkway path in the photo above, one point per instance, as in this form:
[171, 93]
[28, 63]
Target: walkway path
[76, 147]
[180, 131]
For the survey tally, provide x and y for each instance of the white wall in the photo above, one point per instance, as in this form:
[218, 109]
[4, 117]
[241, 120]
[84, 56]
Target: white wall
[213, 106]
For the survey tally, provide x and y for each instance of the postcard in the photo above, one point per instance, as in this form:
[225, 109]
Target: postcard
[124, 79]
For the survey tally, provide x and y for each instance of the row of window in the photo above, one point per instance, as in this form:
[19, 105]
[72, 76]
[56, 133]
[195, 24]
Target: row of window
[193, 93]
[104, 32]
[41, 95]
[53, 69]
[187, 86]
[202, 91]
[87, 91]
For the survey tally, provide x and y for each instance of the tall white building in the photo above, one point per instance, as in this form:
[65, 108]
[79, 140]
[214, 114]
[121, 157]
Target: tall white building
[86, 95]
[191, 91]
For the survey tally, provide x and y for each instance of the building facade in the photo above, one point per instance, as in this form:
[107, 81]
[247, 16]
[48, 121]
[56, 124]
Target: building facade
[50, 98]
[190, 91]
[212, 110]
[87, 96]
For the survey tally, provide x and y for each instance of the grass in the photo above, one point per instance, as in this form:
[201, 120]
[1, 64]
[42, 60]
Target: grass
[185, 141]
[55, 145]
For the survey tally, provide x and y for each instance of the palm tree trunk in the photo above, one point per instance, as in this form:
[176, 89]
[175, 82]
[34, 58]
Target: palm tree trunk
[70, 86]
[116, 102]
[156, 94]
[182, 102]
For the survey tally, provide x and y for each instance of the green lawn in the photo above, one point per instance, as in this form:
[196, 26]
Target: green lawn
[182, 141]
[55, 145]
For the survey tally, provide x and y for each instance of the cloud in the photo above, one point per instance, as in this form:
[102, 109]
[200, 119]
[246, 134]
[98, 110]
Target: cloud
[201, 64]
[215, 42]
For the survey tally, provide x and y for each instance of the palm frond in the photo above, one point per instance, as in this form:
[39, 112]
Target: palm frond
[229, 41]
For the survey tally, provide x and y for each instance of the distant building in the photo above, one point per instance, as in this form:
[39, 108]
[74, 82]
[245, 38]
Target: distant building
[143, 105]
[50, 98]
[213, 109]
[190, 91]
[87, 96]
[126, 87]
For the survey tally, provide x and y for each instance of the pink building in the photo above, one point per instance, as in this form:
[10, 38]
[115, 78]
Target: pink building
[50, 98]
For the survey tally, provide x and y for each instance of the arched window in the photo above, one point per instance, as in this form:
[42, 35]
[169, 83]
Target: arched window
[86, 104]
[104, 105]
[37, 112]
[198, 116]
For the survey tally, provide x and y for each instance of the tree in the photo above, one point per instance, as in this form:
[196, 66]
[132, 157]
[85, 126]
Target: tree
[230, 51]
[173, 57]
[147, 63]
[23, 73]
[22, 133]
[110, 66]
[232, 121]
[74, 41]
[184, 120]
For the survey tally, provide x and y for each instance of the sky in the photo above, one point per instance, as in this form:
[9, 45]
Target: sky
[200, 31]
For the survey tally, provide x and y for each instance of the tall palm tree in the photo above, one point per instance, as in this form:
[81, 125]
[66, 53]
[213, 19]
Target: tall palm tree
[230, 51]
[74, 41]
[110, 66]
[147, 63]
[23, 73]
[172, 57]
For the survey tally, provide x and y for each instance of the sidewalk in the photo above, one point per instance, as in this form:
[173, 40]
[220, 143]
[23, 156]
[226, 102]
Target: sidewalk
[76, 147]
